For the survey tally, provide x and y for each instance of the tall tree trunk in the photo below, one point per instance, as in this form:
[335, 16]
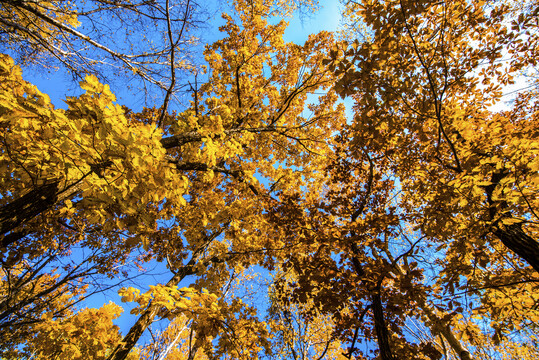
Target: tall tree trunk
[129, 341]
[146, 318]
[30, 205]
[382, 334]
[512, 236]
[441, 327]
[380, 327]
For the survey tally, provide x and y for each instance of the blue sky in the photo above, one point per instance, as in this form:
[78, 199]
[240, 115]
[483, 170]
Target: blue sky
[58, 84]
[327, 18]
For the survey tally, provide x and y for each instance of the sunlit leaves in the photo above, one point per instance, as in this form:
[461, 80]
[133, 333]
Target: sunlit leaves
[425, 77]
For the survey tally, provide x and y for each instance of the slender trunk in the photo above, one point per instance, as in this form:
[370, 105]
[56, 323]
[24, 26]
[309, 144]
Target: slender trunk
[193, 348]
[146, 318]
[129, 341]
[382, 334]
[441, 327]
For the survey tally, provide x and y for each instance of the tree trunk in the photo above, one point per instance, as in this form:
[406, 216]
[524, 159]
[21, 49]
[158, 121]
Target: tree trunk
[146, 318]
[442, 328]
[514, 238]
[129, 341]
[30, 205]
[380, 327]
[26, 208]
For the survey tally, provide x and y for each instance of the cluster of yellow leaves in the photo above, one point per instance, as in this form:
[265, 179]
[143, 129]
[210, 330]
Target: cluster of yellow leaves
[26, 299]
[273, 8]
[171, 300]
[418, 100]
[252, 118]
[91, 147]
[488, 345]
[87, 334]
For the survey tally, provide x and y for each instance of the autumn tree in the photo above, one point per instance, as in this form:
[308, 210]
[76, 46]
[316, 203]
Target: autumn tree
[429, 212]
[442, 62]
[248, 101]
[407, 231]
[179, 188]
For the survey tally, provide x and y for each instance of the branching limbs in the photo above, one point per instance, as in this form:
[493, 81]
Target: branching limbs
[54, 31]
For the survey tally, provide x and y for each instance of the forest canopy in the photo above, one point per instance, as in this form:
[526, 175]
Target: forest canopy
[283, 225]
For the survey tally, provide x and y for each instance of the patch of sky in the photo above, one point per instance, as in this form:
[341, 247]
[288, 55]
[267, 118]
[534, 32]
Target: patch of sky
[327, 18]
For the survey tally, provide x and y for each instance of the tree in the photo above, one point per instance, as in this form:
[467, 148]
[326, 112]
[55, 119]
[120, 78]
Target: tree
[175, 186]
[427, 61]
[408, 231]
[429, 211]
[250, 102]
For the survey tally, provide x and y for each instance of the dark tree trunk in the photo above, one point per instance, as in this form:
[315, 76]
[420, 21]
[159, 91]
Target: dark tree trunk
[130, 340]
[380, 327]
[26, 208]
[382, 334]
[514, 238]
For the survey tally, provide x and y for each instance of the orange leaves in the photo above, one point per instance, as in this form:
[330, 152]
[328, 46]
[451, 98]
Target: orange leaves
[424, 76]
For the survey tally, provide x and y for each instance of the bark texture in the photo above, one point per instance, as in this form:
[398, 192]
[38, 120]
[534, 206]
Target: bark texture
[516, 240]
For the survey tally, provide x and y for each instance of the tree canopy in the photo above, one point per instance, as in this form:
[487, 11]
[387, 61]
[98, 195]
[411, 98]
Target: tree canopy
[286, 226]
